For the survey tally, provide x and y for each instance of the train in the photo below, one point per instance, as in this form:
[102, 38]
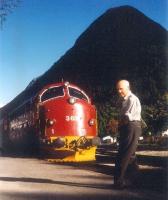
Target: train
[59, 123]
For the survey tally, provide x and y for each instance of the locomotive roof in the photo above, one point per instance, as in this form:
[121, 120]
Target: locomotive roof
[60, 84]
[27, 96]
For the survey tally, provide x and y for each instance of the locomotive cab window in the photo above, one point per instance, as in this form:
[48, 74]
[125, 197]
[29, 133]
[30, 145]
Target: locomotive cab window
[52, 93]
[77, 93]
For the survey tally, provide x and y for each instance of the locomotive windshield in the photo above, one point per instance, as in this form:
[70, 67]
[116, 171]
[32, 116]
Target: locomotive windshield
[52, 93]
[77, 93]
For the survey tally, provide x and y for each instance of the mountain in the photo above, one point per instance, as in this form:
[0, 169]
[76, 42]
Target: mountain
[122, 43]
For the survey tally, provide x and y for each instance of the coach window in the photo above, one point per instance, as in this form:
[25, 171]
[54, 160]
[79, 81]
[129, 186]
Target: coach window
[77, 93]
[52, 93]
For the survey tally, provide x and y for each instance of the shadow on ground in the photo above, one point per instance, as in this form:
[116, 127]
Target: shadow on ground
[149, 177]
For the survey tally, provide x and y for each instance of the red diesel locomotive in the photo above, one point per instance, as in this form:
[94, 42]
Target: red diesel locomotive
[59, 121]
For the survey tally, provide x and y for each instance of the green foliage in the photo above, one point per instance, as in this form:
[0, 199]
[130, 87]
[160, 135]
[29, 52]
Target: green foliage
[105, 113]
[154, 115]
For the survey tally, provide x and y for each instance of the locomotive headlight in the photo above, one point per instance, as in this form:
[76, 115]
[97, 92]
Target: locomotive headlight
[72, 100]
[66, 83]
[91, 122]
[50, 122]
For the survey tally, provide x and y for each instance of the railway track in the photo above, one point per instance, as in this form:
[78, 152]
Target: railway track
[107, 154]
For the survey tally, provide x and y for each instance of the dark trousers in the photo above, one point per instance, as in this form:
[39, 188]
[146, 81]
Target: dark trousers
[128, 140]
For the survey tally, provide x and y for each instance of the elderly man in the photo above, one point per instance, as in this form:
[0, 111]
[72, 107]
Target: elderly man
[129, 130]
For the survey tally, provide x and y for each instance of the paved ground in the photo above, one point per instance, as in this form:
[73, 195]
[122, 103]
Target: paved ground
[33, 179]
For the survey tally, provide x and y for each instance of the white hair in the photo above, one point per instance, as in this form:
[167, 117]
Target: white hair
[126, 83]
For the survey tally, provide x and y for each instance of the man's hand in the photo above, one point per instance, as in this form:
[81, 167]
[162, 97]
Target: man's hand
[124, 121]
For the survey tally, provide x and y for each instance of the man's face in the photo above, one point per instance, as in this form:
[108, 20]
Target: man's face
[122, 89]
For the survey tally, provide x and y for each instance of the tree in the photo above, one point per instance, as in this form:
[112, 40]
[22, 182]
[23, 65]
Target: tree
[156, 115]
[6, 7]
[107, 118]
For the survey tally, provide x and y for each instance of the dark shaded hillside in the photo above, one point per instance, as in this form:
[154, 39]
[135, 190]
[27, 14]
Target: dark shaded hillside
[122, 43]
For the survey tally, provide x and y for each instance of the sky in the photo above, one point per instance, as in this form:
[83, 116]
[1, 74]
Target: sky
[38, 32]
